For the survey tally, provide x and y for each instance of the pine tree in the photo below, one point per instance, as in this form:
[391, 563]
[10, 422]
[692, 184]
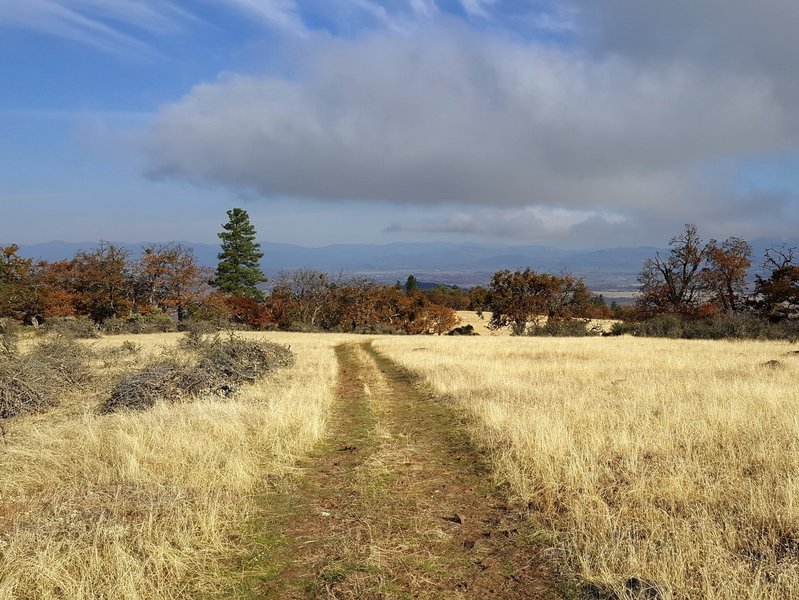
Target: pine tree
[239, 271]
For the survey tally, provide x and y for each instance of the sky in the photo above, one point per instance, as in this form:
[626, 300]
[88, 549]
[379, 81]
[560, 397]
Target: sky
[574, 123]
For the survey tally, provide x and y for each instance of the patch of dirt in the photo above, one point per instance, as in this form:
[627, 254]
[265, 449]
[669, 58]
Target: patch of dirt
[398, 504]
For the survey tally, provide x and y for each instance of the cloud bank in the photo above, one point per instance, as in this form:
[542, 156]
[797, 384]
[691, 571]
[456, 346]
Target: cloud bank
[447, 115]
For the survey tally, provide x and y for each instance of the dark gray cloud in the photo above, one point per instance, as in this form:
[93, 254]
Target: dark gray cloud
[760, 34]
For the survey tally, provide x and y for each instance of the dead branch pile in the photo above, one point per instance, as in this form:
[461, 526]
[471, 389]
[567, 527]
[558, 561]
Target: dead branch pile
[9, 334]
[239, 361]
[222, 366]
[141, 390]
[35, 381]
[76, 327]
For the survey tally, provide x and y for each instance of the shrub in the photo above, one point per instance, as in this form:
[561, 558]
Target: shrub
[463, 330]
[302, 327]
[240, 361]
[197, 326]
[156, 322]
[9, 336]
[111, 355]
[141, 390]
[74, 327]
[223, 365]
[35, 381]
[61, 360]
[734, 326]
[564, 328]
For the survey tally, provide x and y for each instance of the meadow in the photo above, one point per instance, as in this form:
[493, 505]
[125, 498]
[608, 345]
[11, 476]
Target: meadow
[139, 505]
[674, 462]
[661, 461]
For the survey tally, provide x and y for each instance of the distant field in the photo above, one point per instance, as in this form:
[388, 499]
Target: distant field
[624, 298]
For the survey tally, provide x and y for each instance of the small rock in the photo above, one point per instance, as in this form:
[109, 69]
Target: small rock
[456, 518]
[771, 364]
[325, 514]
[594, 591]
[641, 589]
[468, 544]
[348, 449]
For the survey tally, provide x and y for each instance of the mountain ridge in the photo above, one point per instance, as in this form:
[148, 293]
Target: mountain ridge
[613, 268]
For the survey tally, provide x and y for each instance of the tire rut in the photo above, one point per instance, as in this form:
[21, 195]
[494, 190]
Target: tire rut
[397, 504]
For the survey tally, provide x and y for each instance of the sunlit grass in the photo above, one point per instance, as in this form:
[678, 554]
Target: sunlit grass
[145, 505]
[672, 461]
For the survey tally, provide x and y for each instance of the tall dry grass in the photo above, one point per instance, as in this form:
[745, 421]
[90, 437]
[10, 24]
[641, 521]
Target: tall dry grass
[676, 462]
[144, 505]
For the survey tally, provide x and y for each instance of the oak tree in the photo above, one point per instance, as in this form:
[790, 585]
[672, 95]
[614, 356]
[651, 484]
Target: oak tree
[518, 297]
[725, 273]
[777, 296]
[674, 284]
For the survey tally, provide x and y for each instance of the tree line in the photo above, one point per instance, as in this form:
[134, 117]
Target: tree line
[109, 284]
[693, 280]
[698, 279]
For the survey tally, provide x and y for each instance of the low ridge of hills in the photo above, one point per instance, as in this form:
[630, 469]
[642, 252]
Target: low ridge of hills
[446, 263]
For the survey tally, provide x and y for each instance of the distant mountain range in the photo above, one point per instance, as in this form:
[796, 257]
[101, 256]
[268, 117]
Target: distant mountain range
[609, 269]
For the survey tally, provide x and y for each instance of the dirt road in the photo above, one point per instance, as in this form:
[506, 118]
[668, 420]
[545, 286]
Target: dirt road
[396, 504]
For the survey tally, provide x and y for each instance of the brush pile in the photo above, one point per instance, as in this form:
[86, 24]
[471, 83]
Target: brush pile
[35, 381]
[9, 336]
[222, 365]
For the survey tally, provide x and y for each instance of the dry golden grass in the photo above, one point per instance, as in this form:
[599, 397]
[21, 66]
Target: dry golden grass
[143, 505]
[672, 461]
[480, 324]
[468, 317]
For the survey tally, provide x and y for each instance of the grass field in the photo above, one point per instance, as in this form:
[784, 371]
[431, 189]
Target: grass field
[145, 505]
[672, 462]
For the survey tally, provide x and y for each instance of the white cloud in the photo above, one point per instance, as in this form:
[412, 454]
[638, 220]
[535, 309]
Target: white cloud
[477, 8]
[283, 14]
[92, 22]
[105, 23]
[528, 223]
[424, 8]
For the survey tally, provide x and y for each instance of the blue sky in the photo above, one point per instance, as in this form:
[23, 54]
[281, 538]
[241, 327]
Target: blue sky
[576, 123]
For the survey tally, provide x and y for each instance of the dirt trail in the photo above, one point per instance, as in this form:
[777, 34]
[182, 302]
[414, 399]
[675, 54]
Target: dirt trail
[397, 504]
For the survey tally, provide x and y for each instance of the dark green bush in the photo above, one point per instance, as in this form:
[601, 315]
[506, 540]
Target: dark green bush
[463, 330]
[735, 326]
[563, 328]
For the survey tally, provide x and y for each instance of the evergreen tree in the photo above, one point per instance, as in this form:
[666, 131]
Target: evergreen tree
[411, 283]
[239, 271]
